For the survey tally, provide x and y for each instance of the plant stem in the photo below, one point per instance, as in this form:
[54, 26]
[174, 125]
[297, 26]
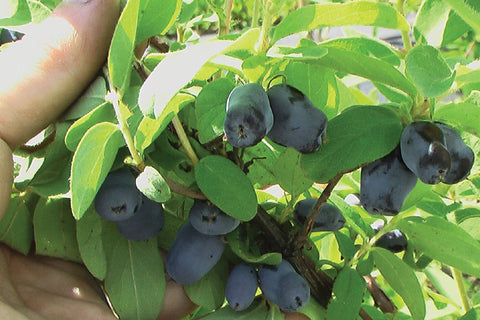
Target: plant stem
[319, 204]
[458, 277]
[288, 209]
[227, 9]
[124, 128]
[266, 26]
[114, 98]
[177, 124]
[407, 44]
[381, 299]
[255, 13]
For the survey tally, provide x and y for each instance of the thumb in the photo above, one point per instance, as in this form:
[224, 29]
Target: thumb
[44, 73]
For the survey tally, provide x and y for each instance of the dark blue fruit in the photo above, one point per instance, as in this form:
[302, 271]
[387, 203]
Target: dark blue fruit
[295, 292]
[209, 219]
[145, 224]
[424, 151]
[385, 183]
[9, 36]
[241, 286]
[122, 176]
[192, 255]
[298, 123]
[269, 277]
[330, 217]
[462, 157]
[394, 240]
[282, 285]
[248, 115]
[118, 198]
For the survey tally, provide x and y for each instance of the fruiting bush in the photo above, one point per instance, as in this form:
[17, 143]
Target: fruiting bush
[187, 132]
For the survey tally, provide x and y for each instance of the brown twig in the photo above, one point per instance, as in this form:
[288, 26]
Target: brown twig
[182, 190]
[160, 45]
[320, 283]
[382, 301]
[319, 204]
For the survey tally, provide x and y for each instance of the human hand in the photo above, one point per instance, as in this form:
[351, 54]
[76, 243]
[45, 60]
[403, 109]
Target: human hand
[41, 76]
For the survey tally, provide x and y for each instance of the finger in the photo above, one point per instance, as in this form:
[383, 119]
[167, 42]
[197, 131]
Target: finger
[53, 306]
[56, 289]
[6, 176]
[176, 304]
[62, 278]
[47, 70]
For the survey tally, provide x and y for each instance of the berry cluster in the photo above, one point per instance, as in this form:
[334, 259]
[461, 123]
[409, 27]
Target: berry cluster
[199, 244]
[430, 151]
[280, 284]
[137, 217]
[282, 113]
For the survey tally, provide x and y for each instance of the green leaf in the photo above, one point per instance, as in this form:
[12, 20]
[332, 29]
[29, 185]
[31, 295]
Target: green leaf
[135, 280]
[445, 242]
[16, 226]
[289, 173]
[52, 178]
[302, 53]
[179, 67]
[102, 113]
[209, 291]
[358, 135]
[242, 247]
[151, 183]
[352, 217]
[120, 55]
[90, 243]
[149, 129]
[55, 229]
[226, 186]
[187, 11]
[173, 73]
[455, 28]
[402, 279]
[429, 70]
[470, 225]
[256, 67]
[367, 67]
[210, 109]
[463, 115]
[317, 82]
[346, 245]
[156, 17]
[472, 314]
[366, 46]
[258, 310]
[348, 291]
[443, 283]
[14, 13]
[431, 21]
[467, 12]
[334, 14]
[262, 158]
[93, 97]
[91, 163]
